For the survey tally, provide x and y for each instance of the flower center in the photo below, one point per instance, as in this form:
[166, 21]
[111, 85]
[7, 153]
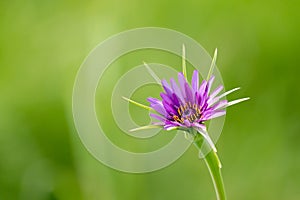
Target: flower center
[189, 112]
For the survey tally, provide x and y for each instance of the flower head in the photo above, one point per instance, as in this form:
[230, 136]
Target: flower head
[187, 106]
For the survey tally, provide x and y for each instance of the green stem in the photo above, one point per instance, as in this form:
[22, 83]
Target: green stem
[214, 166]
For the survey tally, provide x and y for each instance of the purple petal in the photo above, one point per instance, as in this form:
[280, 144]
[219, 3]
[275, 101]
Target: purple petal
[166, 98]
[158, 123]
[204, 106]
[205, 92]
[153, 100]
[197, 100]
[160, 109]
[173, 123]
[175, 100]
[210, 82]
[201, 126]
[202, 88]
[187, 123]
[213, 101]
[195, 81]
[176, 90]
[216, 91]
[182, 81]
[188, 92]
[166, 87]
[170, 124]
[213, 114]
[155, 116]
[170, 109]
[219, 105]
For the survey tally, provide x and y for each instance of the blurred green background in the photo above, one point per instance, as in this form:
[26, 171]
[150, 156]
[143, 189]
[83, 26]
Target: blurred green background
[43, 44]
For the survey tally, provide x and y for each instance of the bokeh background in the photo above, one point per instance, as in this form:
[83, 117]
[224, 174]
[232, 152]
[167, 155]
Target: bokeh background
[42, 45]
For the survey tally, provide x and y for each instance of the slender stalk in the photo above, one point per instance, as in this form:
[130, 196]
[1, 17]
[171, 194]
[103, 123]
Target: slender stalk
[214, 166]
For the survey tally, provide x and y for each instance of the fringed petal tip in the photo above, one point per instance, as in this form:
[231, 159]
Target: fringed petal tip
[157, 117]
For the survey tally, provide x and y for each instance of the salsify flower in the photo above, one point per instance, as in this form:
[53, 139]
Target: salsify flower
[187, 107]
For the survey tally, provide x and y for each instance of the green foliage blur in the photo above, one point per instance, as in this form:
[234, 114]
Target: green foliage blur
[42, 45]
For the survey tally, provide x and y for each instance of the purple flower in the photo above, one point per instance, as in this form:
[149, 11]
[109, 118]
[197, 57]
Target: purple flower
[186, 106]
